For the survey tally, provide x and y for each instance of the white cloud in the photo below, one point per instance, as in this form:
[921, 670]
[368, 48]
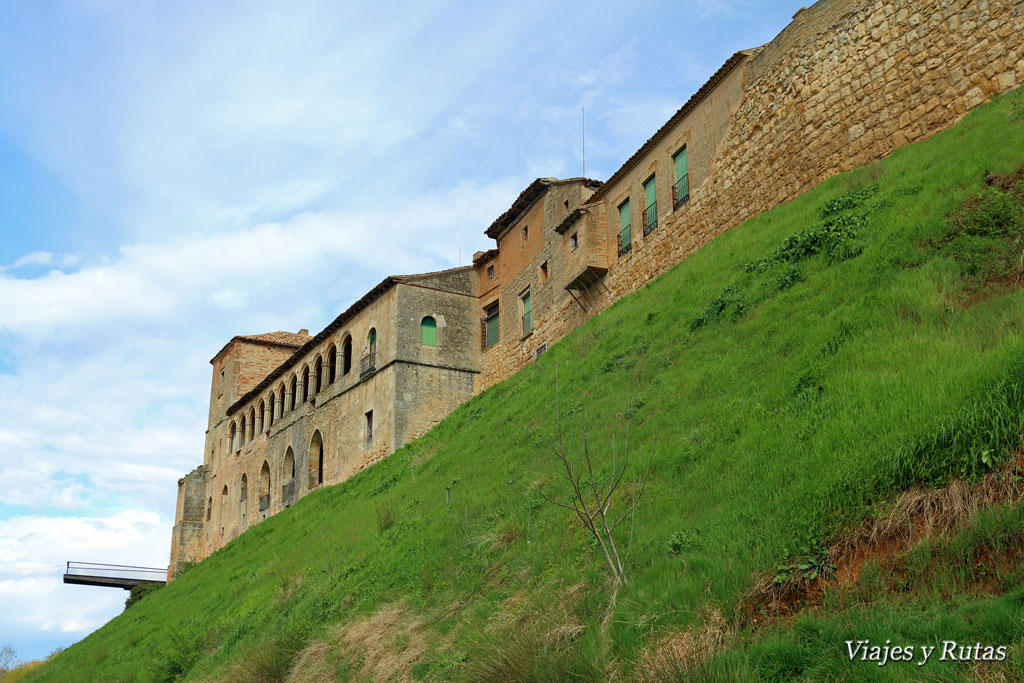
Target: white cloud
[35, 550]
[43, 258]
[259, 167]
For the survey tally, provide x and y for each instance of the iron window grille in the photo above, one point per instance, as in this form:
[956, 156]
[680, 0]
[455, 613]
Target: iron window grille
[625, 243]
[681, 191]
[650, 218]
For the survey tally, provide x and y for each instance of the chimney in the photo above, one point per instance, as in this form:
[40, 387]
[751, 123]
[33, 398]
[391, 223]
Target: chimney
[304, 332]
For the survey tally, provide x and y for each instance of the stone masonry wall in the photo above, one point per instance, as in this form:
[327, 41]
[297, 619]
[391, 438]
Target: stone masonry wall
[846, 83]
[414, 387]
[522, 270]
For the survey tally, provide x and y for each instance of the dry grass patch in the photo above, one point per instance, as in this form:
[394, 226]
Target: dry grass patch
[381, 647]
[676, 656]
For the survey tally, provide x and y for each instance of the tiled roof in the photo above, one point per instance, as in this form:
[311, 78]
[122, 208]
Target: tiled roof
[279, 337]
[484, 256]
[691, 103]
[310, 343]
[527, 197]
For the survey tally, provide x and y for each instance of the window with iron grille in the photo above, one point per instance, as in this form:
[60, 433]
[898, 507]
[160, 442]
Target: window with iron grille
[651, 203]
[681, 188]
[625, 236]
[491, 326]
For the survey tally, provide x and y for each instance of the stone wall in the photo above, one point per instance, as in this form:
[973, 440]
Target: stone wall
[187, 535]
[846, 83]
[412, 387]
[539, 267]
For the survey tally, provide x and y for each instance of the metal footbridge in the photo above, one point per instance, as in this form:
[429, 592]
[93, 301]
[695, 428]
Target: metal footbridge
[112, 575]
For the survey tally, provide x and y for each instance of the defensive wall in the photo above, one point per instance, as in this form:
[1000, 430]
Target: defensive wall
[844, 84]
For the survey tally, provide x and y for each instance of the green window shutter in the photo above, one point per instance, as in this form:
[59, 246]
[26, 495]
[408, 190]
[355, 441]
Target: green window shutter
[624, 231]
[492, 327]
[680, 162]
[428, 332]
[650, 192]
[527, 320]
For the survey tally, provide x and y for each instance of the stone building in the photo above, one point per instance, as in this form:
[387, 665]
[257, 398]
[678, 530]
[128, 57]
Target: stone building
[290, 413]
[844, 84]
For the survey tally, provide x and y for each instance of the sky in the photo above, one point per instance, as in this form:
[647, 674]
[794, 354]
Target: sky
[174, 174]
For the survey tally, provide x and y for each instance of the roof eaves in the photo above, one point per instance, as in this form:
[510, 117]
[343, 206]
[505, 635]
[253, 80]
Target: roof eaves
[368, 298]
[683, 111]
[525, 199]
[252, 339]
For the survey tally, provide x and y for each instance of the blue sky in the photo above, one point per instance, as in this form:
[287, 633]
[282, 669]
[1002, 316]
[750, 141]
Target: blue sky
[172, 175]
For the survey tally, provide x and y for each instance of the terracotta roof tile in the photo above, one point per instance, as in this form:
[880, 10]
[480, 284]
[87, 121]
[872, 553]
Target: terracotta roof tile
[280, 337]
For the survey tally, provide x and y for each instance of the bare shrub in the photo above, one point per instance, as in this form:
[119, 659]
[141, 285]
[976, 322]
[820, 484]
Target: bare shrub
[591, 499]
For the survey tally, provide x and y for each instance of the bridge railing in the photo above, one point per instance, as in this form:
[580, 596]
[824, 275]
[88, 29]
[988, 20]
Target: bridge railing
[116, 571]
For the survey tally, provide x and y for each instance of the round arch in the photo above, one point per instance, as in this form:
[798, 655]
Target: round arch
[315, 460]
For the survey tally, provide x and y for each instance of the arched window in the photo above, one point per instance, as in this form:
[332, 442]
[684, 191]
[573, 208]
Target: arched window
[305, 384]
[428, 332]
[252, 424]
[233, 437]
[243, 505]
[280, 400]
[209, 509]
[318, 373]
[371, 340]
[261, 417]
[332, 364]
[289, 466]
[316, 460]
[223, 514]
[273, 409]
[264, 486]
[294, 390]
[346, 355]
[241, 432]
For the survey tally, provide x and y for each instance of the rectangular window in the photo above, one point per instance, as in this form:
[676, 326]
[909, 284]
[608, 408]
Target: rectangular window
[527, 322]
[492, 326]
[625, 237]
[574, 242]
[369, 428]
[681, 189]
[651, 204]
[544, 272]
[490, 272]
[526, 233]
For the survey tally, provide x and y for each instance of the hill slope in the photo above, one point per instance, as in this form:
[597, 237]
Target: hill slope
[792, 378]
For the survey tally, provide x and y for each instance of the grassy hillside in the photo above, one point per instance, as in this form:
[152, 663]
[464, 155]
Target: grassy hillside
[793, 378]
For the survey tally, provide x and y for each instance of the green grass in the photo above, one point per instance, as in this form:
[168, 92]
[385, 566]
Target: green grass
[791, 375]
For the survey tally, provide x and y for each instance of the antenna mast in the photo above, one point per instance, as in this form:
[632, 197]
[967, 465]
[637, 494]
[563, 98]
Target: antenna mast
[583, 129]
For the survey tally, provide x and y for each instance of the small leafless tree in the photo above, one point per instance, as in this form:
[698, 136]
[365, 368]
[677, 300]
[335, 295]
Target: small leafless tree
[591, 499]
[8, 658]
